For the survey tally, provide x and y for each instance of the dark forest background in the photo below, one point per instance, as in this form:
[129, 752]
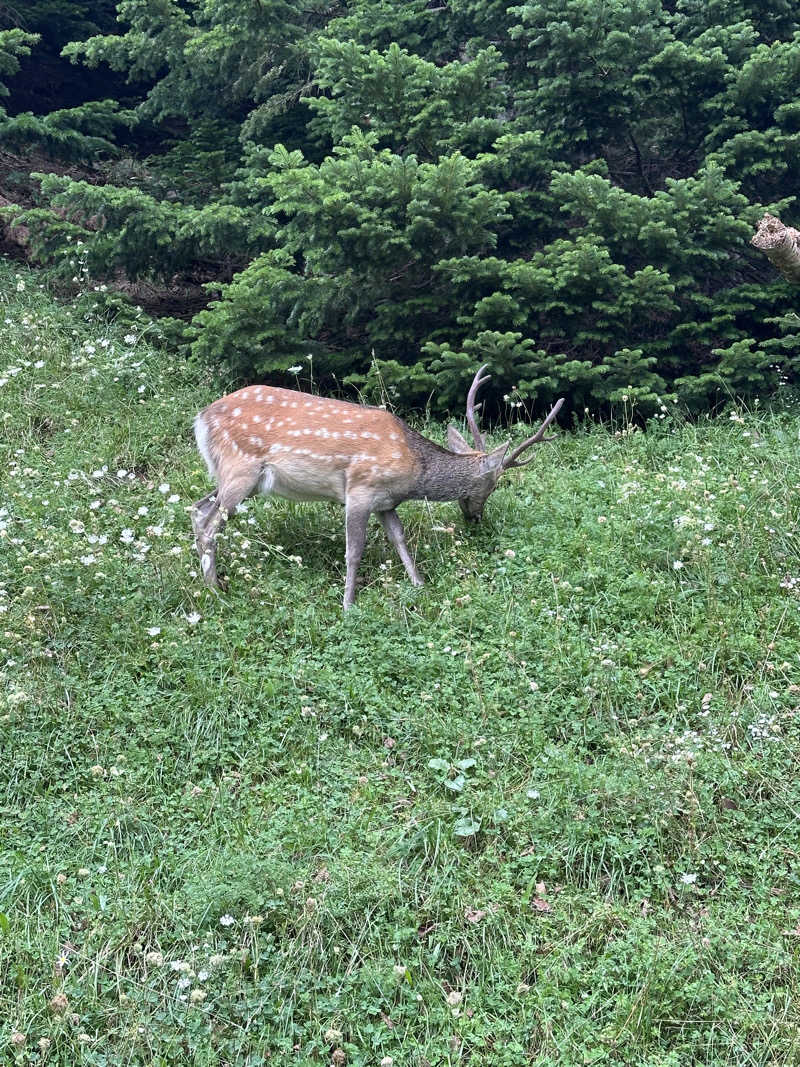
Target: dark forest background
[388, 192]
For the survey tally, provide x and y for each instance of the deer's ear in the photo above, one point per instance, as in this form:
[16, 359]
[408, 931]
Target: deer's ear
[456, 441]
[493, 461]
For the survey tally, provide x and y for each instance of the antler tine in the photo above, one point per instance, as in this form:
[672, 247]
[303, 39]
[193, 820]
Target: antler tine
[472, 422]
[537, 438]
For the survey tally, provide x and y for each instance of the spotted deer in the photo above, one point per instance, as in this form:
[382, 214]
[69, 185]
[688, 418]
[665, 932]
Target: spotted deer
[268, 440]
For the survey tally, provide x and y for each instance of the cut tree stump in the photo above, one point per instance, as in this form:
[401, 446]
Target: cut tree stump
[781, 245]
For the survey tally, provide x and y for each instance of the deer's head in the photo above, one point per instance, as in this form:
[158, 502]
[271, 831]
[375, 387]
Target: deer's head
[489, 465]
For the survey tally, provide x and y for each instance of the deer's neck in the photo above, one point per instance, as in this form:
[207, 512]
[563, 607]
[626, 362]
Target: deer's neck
[442, 475]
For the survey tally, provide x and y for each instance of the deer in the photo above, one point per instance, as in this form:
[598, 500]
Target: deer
[268, 440]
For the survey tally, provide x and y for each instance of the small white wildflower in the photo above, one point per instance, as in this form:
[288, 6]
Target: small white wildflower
[294, 370]
[688, 879]
[173, 499]
[193, 618]
[129, 339]
[154, 631]
[164, 487]
[226, 920]
[677, 565]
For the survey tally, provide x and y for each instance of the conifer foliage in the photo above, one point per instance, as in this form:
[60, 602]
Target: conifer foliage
[400, 189]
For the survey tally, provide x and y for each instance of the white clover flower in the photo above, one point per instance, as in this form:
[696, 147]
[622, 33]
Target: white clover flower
[226, 920]
[129, 339]
[127, 537]
[164, 487]
[688, 879]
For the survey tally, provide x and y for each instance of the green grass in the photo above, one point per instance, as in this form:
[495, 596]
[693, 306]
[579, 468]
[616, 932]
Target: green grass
[543, 810]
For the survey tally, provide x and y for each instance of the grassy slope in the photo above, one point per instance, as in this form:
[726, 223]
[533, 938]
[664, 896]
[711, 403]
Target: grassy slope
[629, 729]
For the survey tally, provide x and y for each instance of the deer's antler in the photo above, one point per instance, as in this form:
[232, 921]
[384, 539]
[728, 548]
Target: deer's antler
[537, 438]
[472, 422]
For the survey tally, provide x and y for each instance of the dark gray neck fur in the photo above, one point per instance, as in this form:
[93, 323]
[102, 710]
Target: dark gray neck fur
[443, 475]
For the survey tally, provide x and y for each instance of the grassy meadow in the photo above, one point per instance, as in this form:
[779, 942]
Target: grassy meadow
[543, 810]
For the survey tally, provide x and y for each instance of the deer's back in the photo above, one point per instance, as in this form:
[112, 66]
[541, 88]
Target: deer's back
[306, 447]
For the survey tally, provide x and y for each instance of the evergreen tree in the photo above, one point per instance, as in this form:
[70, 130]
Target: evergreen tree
[401, 190]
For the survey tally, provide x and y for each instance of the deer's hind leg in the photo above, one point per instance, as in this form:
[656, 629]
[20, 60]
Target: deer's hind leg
[211, 513]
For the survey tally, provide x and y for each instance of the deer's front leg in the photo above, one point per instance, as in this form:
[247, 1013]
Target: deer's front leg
[356, 519]
[396, 534]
